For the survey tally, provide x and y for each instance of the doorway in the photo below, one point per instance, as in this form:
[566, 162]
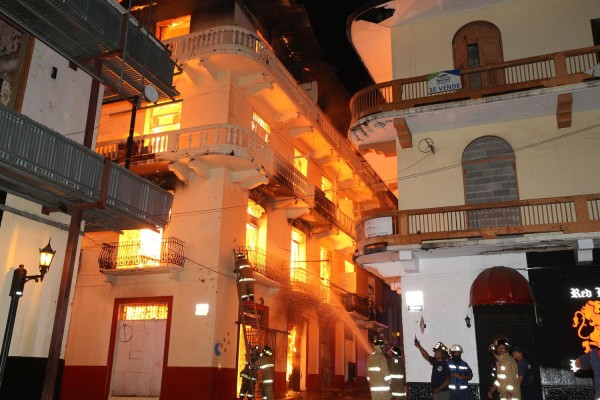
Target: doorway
[139, 348]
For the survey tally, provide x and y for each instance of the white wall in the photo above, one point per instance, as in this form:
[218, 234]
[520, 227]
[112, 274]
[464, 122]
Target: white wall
[446, 285]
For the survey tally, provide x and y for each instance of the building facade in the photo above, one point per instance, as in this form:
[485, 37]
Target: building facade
[54, 186]
[254, 167]
[485, 121]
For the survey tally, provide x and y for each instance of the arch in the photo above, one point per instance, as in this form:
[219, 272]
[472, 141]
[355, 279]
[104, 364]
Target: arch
[478, 44]
[489, 171]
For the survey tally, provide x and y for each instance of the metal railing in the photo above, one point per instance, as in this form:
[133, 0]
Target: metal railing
[53, 170]
[133, 254]
[572, 214]
[548, 70]
[232, 39]
[291, 177]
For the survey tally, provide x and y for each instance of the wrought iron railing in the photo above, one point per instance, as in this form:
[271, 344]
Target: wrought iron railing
[290, 176]
[548, 70]
[134, 254]
[572, 214]
[325, 206]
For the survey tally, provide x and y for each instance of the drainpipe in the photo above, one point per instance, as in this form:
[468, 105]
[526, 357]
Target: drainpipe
[66, 281]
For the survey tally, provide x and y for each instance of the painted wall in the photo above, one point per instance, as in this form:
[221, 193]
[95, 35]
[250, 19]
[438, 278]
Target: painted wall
[446, 284]
[541, 150]
[526, 26]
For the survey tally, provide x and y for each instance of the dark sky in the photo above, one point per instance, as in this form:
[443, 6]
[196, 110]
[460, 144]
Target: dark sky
[329, 27]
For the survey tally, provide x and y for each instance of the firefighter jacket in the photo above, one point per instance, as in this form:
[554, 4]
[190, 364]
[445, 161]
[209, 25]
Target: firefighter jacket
[378, 373]
[266, 364]
[248, 373]
[461, 368]
[396, 368]
[243, 269]
[507, 377]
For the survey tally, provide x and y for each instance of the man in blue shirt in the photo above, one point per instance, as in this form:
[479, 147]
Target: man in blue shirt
[440, 372]
[460, 374]
[525, 375]
[591, 360]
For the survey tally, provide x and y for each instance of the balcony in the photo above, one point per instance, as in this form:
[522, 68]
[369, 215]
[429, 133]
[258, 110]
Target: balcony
[47, 168]
[564, 215]
[163, 150]
[129, 258]
[244, 43]
[543, 71]
[90, 31]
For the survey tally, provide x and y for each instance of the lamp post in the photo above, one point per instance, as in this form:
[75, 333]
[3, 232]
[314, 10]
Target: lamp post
[20, 278]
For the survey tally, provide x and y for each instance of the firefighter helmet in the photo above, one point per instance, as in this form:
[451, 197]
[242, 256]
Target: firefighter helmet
[396, 351]
[378, 342]
[441, 347]
[267, 351]
[456, 348]
[503, 341]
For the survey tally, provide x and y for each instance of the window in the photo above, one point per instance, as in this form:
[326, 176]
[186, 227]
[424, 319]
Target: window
[327, 188]
[493, 158]
[478, 44]
[348, 266]
[298, 254]
[325, 273]
[260, 127]
[300, 162]
[171, 28]
[164, 118]
[139, 248]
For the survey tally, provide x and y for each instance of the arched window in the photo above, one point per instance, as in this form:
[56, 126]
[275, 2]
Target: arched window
[490, 176]
[478, 44]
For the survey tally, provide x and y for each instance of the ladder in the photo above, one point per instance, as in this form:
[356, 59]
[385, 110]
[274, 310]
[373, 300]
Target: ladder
[249, 319]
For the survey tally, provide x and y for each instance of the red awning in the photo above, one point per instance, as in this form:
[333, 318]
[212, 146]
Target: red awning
[500, 286]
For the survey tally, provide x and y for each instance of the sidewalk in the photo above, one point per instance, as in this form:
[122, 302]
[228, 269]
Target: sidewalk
[359, 393]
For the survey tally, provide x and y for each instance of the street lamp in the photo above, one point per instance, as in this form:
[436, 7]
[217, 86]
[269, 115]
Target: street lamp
[20, 278]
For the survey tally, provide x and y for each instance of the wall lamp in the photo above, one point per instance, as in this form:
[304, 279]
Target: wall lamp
[20, 278]
[468, 321]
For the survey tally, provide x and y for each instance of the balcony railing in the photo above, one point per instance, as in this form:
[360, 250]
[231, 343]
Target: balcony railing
[209, 139]
[236, 40]
[45, 167]
[291, 177]
[548, 70]
[356, 304]
[573, 214]
[131, 56]
[135, 255]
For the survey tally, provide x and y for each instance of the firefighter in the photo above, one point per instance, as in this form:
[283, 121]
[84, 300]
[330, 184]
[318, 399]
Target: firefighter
[396, 367]
[249, 376]
[507, 372]
[460, 374]
[266, 364]
[378, 373]
[245, 278]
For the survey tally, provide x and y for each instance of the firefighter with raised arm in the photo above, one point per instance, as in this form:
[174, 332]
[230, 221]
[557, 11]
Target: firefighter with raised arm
[245, 277]
[266, 364]
[396, 367]
[378, 373]
[249, 376]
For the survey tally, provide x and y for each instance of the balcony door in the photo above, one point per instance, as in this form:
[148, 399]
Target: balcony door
[478, 44]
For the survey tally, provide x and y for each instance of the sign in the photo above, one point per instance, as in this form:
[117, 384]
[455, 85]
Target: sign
[378, 227]
[444, 81]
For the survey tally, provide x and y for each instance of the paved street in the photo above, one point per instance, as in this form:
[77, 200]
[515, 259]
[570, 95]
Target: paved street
[357, 394]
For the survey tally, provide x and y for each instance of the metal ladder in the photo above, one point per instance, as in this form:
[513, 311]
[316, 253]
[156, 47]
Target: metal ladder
[249, 318]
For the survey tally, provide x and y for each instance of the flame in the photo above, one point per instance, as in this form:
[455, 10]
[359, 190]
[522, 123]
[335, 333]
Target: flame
[290, 353]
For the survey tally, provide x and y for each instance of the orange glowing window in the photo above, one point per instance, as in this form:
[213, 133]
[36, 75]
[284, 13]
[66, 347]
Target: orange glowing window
[300, 162]
[171, 28]
[139, 248]
[142, 312]
[348, 266]
[327, 188]
[298, 251]
[163, 118]
[260, 127]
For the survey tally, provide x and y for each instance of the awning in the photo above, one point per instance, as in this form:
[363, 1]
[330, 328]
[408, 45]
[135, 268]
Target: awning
[500, 286]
